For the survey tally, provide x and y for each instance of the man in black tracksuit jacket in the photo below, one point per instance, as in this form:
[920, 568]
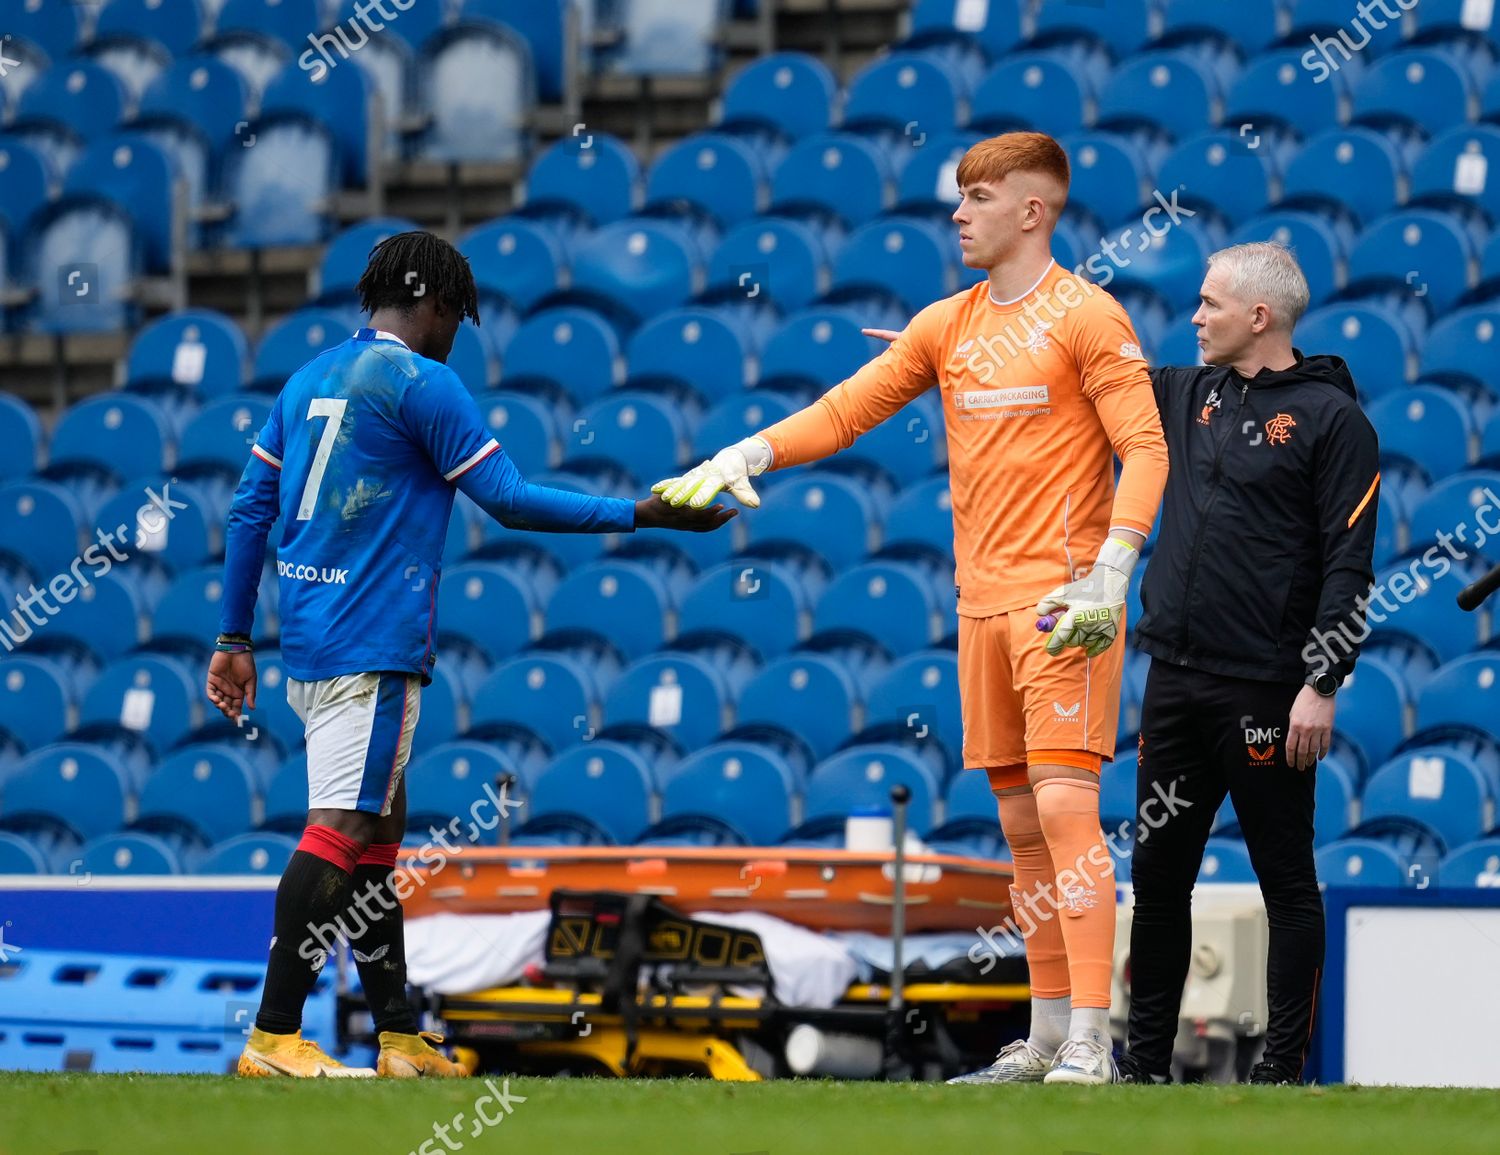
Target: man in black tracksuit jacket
[1267, 532]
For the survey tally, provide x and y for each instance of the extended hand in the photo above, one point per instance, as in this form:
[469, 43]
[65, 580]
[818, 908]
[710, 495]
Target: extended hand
[231, 682]
[1093, 605]
[654, 513]
[730, 469]
[1310, 729]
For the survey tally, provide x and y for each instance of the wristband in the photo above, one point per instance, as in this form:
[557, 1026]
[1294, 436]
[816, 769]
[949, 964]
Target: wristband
[1118, 555]
[234, 644]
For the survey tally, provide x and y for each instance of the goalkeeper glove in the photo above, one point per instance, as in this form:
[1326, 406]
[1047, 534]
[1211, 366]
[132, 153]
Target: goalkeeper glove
[730, 469]
[1094, 604]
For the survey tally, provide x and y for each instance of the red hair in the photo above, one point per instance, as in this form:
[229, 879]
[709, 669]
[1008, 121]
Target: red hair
[994, 159]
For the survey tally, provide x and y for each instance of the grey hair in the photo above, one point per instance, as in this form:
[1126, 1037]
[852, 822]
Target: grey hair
[1266, 271]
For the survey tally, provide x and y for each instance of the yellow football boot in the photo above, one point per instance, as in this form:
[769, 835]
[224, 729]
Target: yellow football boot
[413, 1057]
[292, 1055]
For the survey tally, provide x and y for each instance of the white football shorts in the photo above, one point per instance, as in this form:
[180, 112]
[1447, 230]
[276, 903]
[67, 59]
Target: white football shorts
[359, 729]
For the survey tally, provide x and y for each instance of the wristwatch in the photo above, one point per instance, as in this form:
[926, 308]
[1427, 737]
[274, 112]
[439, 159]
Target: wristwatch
[1325, 684]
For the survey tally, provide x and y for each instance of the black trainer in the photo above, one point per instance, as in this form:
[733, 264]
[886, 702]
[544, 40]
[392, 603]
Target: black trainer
[1131, 1071]
[1273, 1075]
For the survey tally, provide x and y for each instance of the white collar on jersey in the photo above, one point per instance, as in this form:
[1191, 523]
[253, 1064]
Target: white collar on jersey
[382, 335]
[1028, 292]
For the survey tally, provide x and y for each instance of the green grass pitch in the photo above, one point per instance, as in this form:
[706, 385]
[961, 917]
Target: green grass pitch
[46, 1114]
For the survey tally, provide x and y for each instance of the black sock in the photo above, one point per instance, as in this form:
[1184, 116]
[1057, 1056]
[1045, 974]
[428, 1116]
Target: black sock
[380, 949]
[313, 895]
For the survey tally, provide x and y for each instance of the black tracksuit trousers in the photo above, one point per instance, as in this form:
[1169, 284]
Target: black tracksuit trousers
[1202, 735]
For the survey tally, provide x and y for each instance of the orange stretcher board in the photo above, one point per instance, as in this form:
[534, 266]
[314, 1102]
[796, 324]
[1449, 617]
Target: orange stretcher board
[821, 889]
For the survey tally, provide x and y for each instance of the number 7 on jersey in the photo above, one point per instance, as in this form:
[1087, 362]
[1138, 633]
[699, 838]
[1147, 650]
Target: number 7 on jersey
[332, 408]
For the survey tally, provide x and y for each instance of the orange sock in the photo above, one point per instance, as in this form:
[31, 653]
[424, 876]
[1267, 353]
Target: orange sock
[1032, 907]
[1085, 877]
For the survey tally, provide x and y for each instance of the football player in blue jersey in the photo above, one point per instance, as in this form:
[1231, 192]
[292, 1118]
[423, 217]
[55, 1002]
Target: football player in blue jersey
[360, 458]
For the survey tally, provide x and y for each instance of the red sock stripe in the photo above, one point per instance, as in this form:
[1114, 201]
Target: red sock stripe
[380, 854]
[331, 846]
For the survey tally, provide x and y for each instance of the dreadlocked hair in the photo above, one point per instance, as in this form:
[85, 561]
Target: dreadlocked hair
[405, 267]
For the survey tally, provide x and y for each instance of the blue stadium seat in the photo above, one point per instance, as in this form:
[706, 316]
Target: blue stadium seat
[26, 185]
[157, 698]
[688, 350]
[709, 173]
[169, 525]
[919, 694]
[904, 448]
[135, 38]
[1316, 19]
[294, 341]
[1169, 265]
[920, 522]
[1168, 92]
[262, 854]
[470, 358]
[515, 260]
[117, 435]
[35, 698]
[861, 778]
[1334, 802]
[992, 30]
[289, 22]
[809, 697]
[1456, 22]
[1489, 443]
[487, 606]
[592, 177]
[1420, 252]
[637, 267]
[82, 256]
[346, 256]
[828, 516]
[1475, 864]
[541, 26]
[1425, 618]
[1120, 29]
[736, 418]
[563, 551]
[525, 427]
[551, 695]
[1455, 503]
[969, 798]
[1277, 91]
[1460, 696]
[1459, 350]
[71, 788]
[107, 621]
[1354, 170]
[442, 703]
[287, 796]
[197, 350]
[928, 185]
[273, 720]
[458, 781]
[665, 38]
[281, 188]
[196, 109]
[478, 86]
[604, 784]
[1435, 786]
[1376, 343]
[909, 260]
[643, 435]
[681, 695]
[1226, 860]
[1361, 862]
[130, 854]
[1390, 528]
[815, 350]
[1426, 427]
[1454, 170]
[787, 94]
[40, 526]
[1036, 92]
[1249, 28]
[21, 439]
[832, 175]
[1220, 171]
[206, 793]
[756, 603]
[903, 95]
[19, 856]
[188, 607]
[340, 99]
[54, 29]
[624, 603]
[784, 260]
[1418, 89]
[1317, 246]
[67, 106]
[1111, 177]
[889, 603]
[748, 788]
[1374, 707]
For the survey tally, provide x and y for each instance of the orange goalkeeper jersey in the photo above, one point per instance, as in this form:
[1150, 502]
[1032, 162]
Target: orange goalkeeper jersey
[1039, 394]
